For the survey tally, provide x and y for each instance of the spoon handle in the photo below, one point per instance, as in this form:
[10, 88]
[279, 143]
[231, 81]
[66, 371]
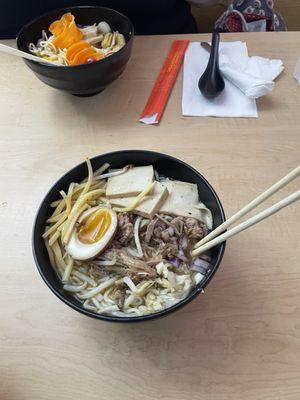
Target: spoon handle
[15, 52]
[206, 46]
[213, 63]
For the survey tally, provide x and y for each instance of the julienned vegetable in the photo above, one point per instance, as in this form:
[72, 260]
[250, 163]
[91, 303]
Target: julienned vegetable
[70, 44]
[128, 260]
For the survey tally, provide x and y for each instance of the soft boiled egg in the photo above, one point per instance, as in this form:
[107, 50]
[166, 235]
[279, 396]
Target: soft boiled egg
[94, 231]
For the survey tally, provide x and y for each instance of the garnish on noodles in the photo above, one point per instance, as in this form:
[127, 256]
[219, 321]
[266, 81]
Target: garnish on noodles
[70, 44]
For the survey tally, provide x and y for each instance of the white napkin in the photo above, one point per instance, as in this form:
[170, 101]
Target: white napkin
[255, 79]
[297, 71]
[244, 77]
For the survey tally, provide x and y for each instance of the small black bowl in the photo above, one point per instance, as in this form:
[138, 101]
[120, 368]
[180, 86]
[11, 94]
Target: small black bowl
[164, 165]
[85, 79]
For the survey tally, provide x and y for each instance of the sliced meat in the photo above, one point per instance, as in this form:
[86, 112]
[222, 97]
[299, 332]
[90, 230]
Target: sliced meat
[166, 223]
[125, 228]
[163, 238]
[150, 230]
[130, 263]
[195, 229]
[169, 251]
[178, 224]
[119, 295]
[98, 272]
[165, 235]
[149, 252]
[134, 264]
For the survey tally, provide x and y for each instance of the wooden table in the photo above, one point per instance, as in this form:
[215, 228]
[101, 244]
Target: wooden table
[241, 339]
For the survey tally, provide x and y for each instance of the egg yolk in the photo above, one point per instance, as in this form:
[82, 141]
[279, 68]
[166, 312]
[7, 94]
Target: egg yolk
[94, 226]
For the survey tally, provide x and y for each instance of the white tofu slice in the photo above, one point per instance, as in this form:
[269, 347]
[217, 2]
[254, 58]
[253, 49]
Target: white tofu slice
[183, 201]
[131, 183]
[151, 203]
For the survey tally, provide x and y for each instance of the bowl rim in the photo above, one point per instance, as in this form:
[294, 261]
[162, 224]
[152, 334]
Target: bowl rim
[110, 318]
[74, 67]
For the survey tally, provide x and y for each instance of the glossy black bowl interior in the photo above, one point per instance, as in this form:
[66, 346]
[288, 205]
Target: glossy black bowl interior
[86, 79]
[164, 165]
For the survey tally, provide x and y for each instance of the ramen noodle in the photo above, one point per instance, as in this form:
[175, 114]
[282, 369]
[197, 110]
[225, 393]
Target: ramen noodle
[70, 44]
[121, 240]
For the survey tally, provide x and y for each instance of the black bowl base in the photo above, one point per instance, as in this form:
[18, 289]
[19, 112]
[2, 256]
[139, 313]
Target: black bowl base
[88, 94]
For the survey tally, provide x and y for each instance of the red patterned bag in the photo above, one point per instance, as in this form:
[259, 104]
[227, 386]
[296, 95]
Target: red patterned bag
[250, 16]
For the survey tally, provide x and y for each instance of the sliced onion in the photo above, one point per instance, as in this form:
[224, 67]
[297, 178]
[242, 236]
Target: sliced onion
[175, 262]
[205, 257]
[200, 262]
[198, 269]
[200, 265]
[165, 220]
[171, 230]
[182, 256]
[184, 243]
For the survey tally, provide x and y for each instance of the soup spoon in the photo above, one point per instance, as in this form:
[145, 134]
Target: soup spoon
[18, 53]
[211, 83]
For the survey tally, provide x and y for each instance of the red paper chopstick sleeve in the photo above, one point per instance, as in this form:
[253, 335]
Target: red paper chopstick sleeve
[164, 83]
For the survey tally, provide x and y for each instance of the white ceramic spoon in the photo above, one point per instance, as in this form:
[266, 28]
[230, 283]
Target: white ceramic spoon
[15, 52]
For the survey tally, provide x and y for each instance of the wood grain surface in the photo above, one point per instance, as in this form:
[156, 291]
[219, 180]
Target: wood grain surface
[241, 338]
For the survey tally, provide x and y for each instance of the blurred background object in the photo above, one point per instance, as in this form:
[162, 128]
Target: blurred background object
[154, 16]
[207, 14]
[251, 16]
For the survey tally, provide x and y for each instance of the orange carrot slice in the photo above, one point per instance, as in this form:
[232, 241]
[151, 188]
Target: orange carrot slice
[76, 48]
[83, 56]
[68, 36]
[65, 32]
[57, 27]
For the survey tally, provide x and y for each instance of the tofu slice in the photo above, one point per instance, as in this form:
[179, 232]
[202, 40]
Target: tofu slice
[131, 183]
[151, 203]
[182, 201]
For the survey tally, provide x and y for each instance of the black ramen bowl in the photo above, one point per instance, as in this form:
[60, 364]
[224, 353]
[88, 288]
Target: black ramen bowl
[164, 165]
[85, 79]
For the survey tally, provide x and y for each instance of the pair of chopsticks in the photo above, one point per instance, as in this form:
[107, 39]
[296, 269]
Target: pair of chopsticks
[212, 239]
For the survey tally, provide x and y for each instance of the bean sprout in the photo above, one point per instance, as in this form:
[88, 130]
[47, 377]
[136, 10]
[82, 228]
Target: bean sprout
[136, 237]
[75, 289]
